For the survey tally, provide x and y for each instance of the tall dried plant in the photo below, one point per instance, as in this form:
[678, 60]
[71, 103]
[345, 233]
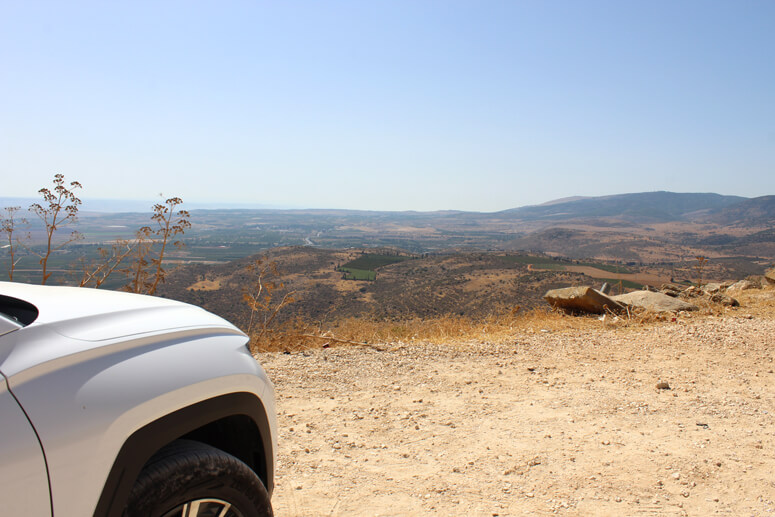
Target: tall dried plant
[169, 224]
[141, 259]
[59, 209]
[97, 272]
[260, 298]
[8, 227]
[138, 269]
[702, 261]
[146, 271]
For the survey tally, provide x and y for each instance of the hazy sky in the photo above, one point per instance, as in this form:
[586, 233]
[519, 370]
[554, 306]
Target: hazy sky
[423, 105]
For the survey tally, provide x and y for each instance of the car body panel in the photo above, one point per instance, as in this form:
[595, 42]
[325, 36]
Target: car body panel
[163, 356]
[7, 325]
[60, 303]
[23, 479]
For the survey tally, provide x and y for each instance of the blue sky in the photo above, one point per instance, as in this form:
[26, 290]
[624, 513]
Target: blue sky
[387, 105]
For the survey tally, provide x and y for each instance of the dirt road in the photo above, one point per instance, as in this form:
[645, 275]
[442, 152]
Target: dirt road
[551, 422]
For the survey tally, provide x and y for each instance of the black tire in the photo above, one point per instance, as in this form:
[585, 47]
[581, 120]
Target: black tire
[187, 471]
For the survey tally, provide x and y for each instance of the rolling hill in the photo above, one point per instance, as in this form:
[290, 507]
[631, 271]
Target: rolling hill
[645, 207]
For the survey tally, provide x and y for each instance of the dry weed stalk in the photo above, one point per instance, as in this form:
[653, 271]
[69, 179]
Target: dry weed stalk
[95, 274]
[146, 271]
[8, 227]
[59, 208]
[700, 267]
[167, 229]
[138, 270]
[260, 298]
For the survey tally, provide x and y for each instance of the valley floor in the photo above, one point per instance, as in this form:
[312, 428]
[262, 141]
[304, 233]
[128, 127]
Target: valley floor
[567, 422]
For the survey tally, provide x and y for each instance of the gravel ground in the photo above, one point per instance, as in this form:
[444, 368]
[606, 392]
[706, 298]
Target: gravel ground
[551, 422]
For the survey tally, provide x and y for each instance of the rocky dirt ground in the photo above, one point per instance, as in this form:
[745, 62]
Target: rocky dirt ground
[566, 422]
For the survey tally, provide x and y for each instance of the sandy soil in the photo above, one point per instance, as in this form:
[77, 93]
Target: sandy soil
[551, 422]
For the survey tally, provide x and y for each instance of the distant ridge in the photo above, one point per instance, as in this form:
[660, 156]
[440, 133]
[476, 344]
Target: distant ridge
[637, 208]
[563, 200]
[644, 207]
[758, 210]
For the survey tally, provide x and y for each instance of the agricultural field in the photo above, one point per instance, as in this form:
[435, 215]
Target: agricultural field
[351, 273]
[365, 266]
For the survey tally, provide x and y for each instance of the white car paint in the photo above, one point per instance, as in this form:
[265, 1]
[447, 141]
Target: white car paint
[96, 365]
[22, 468]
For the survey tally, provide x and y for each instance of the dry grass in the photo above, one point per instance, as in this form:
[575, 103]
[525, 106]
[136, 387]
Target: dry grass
[451, 329]
[497, 328]
[757, 302]
[206, 285]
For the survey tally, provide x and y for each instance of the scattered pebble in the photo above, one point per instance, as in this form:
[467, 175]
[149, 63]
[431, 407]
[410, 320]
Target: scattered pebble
[499, 434]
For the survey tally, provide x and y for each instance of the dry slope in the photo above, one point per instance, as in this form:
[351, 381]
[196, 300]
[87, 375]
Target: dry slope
[546, 422]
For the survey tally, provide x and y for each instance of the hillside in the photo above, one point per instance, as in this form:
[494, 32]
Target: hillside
[756, 212]
[420, 287]
[644, 207]
[473, 284]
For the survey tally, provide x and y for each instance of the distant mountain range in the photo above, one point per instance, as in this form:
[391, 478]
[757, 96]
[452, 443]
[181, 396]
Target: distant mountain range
[638, 208]
[647, 207]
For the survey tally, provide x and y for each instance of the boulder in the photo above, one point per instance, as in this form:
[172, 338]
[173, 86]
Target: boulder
[712, 287]
[582, 299]
[723, 299]
[758, 281]
[770, 276]
[742, 285]
[671, 290]
[692, 292]
[655, 302]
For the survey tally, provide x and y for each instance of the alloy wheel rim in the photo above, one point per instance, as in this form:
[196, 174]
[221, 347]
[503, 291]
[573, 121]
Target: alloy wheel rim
[206, 507]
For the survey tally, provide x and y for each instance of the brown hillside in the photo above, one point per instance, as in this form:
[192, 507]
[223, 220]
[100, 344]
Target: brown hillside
[473, 284]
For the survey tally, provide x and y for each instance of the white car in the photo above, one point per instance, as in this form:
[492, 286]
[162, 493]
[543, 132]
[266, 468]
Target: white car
[118, 404]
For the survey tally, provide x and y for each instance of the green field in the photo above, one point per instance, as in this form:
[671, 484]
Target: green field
[365, 266]
[371, 261]
[358, 274]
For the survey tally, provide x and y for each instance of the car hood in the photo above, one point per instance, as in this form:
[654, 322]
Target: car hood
[96, 315]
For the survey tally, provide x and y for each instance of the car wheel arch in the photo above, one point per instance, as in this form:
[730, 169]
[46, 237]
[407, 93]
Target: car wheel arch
[236, 423]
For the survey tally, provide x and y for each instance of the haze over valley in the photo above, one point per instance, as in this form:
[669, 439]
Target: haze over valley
[447, 262]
